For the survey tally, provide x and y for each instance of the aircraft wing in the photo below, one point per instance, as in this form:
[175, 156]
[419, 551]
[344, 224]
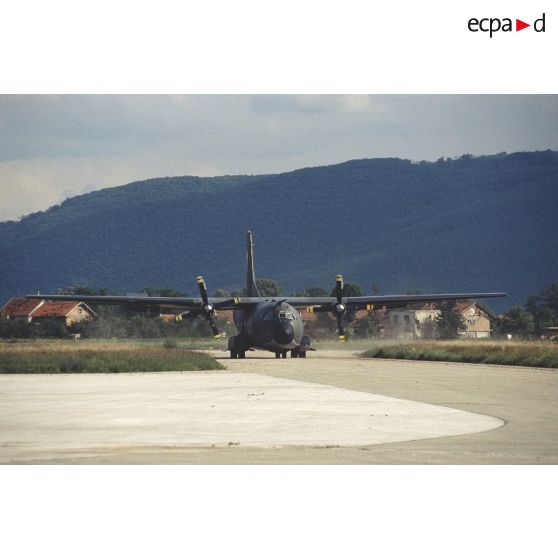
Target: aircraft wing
[384, 301]
[132, 301]
[317, 304]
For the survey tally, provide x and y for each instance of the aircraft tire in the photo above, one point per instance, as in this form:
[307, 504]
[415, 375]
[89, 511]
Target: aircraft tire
[302, 354]
[277, 355]
[242, 354]
[284, 354]
[234, 355]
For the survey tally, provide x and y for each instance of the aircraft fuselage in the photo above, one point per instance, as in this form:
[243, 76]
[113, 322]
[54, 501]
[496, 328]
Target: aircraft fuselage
[271, 325]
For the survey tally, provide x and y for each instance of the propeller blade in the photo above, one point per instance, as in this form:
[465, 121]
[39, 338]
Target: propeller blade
[340, 327]
[213, 327]
[187, 314]
[339, 288]
[207, 309]
[339, 307]
[203, 289]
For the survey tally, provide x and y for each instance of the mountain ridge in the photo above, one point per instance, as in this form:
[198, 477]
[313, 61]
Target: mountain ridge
[472, 223]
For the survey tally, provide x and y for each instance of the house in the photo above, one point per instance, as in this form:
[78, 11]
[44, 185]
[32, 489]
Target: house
[476, 320]
[420, 322]
[20, 308]
[35, 311]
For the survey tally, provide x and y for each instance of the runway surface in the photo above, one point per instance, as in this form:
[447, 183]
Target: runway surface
[328, 408]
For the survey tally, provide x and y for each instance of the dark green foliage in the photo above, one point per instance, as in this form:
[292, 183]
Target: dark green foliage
[543, 355]
[268, 287]
[221, 293]
[349, 289]
[428, 329]
[84, 290]
[544, 307]
[449, 322]
[365, 327]
[21, 329]
[151, 291]
[518, 322]
[469, 224]
[145, 359]
[314, 291]
[111, 324]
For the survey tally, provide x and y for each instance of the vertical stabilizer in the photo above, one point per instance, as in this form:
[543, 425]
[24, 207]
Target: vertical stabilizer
[251, 288]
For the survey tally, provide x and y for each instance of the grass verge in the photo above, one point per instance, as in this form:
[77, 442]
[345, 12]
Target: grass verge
[35, 358]
[543, 355]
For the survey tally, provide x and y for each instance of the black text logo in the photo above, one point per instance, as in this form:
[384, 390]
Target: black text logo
[493, 25]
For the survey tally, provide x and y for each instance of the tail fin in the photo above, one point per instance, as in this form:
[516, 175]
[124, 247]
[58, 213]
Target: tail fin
[251, 287]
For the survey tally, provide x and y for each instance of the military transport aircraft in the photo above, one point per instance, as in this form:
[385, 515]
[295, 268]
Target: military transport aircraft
[268, 323]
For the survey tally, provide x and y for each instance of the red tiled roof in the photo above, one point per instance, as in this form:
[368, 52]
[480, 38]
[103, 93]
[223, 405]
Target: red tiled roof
[54, 309]
[19, 307]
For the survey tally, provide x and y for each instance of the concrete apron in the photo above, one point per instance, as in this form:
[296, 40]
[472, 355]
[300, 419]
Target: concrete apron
[92, 411]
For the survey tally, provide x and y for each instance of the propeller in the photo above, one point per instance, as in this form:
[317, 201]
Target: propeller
[339, 309]
[207, 309]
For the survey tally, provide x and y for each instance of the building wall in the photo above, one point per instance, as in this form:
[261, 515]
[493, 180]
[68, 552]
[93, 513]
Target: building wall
[406, 323]
[426, 325]
[401, 324]
[77, 315]
[477, 323]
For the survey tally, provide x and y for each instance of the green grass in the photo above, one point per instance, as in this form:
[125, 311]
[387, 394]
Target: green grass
[539, 354]
[36, 357]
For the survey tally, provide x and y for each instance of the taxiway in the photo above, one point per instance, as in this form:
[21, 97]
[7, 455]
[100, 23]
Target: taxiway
[329, 408]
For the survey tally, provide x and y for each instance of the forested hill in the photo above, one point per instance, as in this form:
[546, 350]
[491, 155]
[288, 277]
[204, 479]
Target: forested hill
[468, 224]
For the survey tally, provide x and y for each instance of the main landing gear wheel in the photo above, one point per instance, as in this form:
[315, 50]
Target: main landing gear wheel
[277, 355]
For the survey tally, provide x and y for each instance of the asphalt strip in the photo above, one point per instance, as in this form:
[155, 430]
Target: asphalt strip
[217, 409]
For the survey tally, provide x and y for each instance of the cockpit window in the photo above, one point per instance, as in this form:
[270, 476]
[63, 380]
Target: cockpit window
[288, 315]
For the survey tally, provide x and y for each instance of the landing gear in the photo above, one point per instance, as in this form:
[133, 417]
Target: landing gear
[296, 353]
[240, 354]
[277, 355]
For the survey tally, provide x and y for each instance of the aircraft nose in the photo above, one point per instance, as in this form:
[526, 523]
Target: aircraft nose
[283, 332]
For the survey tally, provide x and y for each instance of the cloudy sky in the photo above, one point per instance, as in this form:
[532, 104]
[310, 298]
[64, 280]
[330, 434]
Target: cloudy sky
[53, 147]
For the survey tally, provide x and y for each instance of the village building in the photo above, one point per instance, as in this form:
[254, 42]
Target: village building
[476, 319]
[20, 309]
[35, 311]
[420, 322]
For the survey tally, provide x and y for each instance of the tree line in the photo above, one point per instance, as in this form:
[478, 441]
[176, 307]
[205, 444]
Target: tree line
[528, 321]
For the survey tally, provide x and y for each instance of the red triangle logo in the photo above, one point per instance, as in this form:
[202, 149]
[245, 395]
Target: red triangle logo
[519, 25]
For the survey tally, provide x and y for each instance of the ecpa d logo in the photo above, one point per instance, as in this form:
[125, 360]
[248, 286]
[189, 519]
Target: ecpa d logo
[492, 25]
